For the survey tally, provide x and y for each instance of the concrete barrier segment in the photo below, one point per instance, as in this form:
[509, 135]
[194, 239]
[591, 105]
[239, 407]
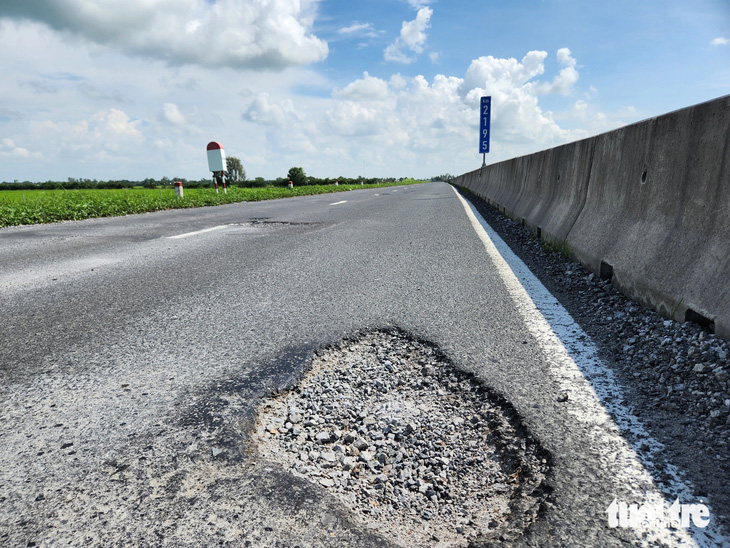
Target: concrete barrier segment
[647, 205]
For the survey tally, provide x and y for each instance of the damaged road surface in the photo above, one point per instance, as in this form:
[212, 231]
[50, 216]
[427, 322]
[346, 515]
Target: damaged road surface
[302, 373]
[421, 451]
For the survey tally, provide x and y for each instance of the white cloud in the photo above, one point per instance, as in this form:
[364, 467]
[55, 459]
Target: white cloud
[397, 81]
[487, 75]
[387, 124]
[265, 111]
[516, 114]
[413, 33]
[366, 89]
[396, 120]
[349, 118]
[107, 133]
[359, 29]
[65, 126]
[192, 26]
[393, 53]
[582, 112]
[720, 41]
[106, 141]
[412, 38]
[592, 121]
[568, 76]
[418, 4]
[259, 35]
[114, 122]
[8, 149]
[172, 114]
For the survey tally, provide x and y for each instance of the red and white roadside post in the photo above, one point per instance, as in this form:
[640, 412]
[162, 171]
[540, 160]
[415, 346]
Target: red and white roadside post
[217, 164]
[223, 182]
[178, 189]
[291, 185]
[337, 183]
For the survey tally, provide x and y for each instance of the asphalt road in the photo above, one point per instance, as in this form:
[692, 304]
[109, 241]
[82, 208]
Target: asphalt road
[134, 351]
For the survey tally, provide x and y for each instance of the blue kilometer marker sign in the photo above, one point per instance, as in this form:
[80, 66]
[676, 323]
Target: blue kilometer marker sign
[485, 116]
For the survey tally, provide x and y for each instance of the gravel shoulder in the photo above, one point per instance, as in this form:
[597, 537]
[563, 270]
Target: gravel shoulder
[675, 375]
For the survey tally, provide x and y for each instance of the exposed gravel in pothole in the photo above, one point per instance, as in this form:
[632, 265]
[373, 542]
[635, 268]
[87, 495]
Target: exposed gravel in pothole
[419, 450]
[676, 376]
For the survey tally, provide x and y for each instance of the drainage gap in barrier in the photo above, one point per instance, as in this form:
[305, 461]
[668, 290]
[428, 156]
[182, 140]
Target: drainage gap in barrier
[523, 222]
[539, 233]
[704, 322]
[643, 177]
[606, 272]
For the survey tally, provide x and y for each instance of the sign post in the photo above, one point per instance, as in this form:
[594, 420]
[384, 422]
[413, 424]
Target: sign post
[485, 118]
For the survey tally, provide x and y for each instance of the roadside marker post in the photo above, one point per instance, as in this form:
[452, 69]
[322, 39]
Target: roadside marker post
[291, 185]
[178, 189]
[218, 178]
[217, 164]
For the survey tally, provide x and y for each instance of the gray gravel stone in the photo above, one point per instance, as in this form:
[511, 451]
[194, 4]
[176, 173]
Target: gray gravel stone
[421, 448]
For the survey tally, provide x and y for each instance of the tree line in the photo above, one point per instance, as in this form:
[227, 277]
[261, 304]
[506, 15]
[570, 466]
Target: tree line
[235, 176]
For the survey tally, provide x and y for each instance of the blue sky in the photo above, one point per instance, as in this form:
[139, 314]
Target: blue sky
[136, 89]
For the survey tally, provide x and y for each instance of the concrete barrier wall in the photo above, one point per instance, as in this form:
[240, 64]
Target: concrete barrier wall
[647, 205]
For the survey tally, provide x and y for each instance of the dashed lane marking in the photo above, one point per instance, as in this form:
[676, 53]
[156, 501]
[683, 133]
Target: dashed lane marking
[197, 232]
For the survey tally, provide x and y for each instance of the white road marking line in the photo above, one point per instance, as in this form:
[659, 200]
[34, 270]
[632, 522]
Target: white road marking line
[338, 203]
[572, 362]
[188, 234]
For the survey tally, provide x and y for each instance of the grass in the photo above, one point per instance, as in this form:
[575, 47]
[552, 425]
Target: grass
[557, 246]
[676, 307]
[48, 206]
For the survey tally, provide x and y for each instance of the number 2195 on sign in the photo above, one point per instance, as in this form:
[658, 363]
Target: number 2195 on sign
[485, 115]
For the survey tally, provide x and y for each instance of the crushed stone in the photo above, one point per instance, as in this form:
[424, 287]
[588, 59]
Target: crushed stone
[420, 451]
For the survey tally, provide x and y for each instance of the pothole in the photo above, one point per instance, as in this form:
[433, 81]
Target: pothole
[418, 450]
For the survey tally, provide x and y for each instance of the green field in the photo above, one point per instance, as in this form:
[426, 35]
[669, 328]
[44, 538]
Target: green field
[26, 207]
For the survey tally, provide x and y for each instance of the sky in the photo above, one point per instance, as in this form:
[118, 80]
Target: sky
[104, 89]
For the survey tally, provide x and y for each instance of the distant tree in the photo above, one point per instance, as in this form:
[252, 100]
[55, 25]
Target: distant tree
[296, 175]
[235, 171]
